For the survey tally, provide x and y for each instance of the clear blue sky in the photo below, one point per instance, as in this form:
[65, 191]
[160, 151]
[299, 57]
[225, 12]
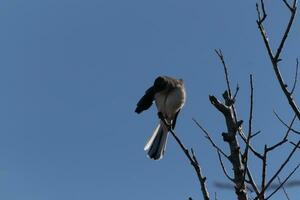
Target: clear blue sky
[72, 71]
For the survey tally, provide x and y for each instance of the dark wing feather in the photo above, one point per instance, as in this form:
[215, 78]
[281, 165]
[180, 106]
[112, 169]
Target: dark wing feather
[146, 101]
[161, 83]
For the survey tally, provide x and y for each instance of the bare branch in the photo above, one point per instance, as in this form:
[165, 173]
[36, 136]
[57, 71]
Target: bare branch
[284, 191]
[260, 17]
[221, 107]
[284, 139]
[252, 182]
[245, 155]
[250, 116]
[221, 56]
[207, 135]
[280, 168]
[192, 159]
[287, 93]
[242, 135]
[296, 77]
[263, 9]
[262, 30]
[287, 5]
[293, 143]
[223, 167]
[236, 92]
[282, 42]
[202, 179]
[289, 127]
[196, 166]
[264, 168]
[275, 59]
[230, 137]
[285, 180]
[255, 134]
[230, 102]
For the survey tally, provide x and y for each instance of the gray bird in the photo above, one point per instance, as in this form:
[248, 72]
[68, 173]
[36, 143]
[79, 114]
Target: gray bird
[169, 96]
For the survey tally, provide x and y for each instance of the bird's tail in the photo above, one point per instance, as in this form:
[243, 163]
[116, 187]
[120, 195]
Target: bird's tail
[156, 145]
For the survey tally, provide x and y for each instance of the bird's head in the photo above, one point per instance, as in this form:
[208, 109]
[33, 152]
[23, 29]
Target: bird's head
[159, 83]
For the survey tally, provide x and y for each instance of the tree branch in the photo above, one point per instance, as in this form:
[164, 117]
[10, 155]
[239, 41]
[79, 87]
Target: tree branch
[279, 170]
[284, 139]
[245, 155]
[252, 182]
[296, 77]
[192, 159]
[223, 168]
[207, 136]
[221, 56]
[284, 191]
[275, 59]
[287, 126]
[230, 137]
[281, 184]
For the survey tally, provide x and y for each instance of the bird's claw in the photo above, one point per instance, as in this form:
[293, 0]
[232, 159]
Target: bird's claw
[163, 119]
[160, 115]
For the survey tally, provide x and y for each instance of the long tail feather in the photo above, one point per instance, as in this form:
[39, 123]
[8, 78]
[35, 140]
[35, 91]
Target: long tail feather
[157, 143]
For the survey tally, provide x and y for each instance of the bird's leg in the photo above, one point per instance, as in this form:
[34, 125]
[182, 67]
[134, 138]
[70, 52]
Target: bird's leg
[163, 119]
[160, 115]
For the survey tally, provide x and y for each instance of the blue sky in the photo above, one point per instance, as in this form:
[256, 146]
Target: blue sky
[72, 71]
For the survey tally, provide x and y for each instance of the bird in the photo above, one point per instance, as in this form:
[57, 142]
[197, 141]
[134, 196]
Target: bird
[169, 95]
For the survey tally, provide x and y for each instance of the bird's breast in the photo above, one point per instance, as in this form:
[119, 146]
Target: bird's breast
[169, 102]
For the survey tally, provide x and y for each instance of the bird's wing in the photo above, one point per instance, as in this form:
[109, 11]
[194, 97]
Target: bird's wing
[161, 83]
[146, 101]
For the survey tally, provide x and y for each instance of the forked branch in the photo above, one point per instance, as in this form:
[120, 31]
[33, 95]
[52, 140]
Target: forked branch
[276, 58]
[193, 160]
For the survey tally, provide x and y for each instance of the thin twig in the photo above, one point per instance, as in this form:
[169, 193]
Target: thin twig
[280, 168]
[202, 178]
[284, 139]
[242, 135]
[283, 188]
[245, 155]
[287, 5]
[287, 30]
[260, 17]
[296, 77]
[264, 169]
[207, 135]
[287, 126]
[275, 59]
[192, 159]
[223, 167]
[255, 134]
[236, 91]
[221, 56]
[259, 22]
[285, 180]
[294, 144]
[295, 3]
[252, 183]
[263, 9]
